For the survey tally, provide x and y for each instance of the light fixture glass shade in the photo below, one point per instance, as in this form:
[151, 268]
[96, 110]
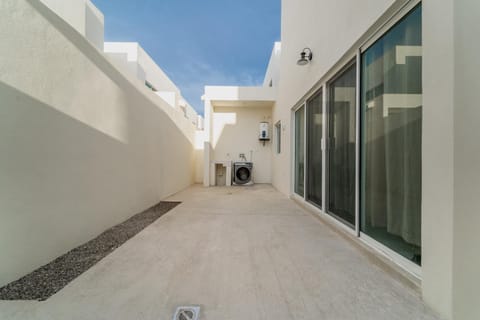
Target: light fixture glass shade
[304, 58]
[302, 61]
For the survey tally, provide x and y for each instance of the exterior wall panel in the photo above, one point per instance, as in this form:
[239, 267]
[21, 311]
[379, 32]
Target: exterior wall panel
[83, 146]
[329, 29]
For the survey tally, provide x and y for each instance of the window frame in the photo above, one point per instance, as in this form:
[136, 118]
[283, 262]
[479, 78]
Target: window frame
[278, 136]
[328, 85]
[414, 271]
[353, 55]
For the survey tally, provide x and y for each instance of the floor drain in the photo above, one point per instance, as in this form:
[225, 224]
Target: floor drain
[186, 313]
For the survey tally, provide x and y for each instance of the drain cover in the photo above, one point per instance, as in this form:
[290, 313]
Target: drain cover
[187, 313]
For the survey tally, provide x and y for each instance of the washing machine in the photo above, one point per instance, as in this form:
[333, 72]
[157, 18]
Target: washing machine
[242, 173]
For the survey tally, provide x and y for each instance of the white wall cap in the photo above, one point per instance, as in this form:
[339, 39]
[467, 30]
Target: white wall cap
[234, 93]
[130, 48]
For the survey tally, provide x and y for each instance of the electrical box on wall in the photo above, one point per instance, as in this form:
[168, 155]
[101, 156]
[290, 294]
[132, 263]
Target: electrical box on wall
[264, 134]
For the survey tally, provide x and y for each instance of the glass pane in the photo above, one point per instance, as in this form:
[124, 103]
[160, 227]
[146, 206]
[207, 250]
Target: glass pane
[299, 151]
[341, 148]
[392, 138]
[314, 149]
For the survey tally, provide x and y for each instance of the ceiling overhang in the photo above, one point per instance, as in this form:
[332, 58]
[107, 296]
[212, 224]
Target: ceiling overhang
[230, 96]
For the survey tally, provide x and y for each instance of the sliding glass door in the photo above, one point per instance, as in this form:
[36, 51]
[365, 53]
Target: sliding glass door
[389, 156]
[314, 149]
[392, 138]
[299, 151]
[341, 146]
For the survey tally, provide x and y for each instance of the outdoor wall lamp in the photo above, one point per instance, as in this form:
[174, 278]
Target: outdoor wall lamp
[305, 57]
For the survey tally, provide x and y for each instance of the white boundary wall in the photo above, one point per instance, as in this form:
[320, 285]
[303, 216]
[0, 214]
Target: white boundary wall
[83, 16]
[82, 145]
[131, 56]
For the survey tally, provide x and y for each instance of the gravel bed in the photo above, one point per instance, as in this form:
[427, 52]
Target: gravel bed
[54, 276]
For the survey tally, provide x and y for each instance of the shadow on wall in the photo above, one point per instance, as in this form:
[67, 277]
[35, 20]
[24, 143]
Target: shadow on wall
[236, 131]
[235, 93]
[220, 121]
[111, 120]
[63, 181]
[81, 146]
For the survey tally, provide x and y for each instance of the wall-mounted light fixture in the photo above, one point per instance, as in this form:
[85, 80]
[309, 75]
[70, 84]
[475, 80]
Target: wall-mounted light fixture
[305, 57]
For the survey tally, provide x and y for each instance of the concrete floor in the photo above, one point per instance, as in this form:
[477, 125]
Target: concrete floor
[239, 253]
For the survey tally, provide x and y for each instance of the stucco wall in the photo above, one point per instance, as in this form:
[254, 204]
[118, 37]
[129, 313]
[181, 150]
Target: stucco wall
[450, 145]
[83, 16]
[131, 56]
[235, 130]
[94, 25]
[451, 157]
[272, 75]
[234, 126]
[155, 75]
[329, 29]
[72, 12]
[466, 257]
[199, 156]
[437, 155]
[82, 146]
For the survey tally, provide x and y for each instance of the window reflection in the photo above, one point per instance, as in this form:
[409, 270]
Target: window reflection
[391, 138]
[299, 151]
[341, 149]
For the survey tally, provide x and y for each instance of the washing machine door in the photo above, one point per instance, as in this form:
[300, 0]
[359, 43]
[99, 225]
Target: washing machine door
[243, 175]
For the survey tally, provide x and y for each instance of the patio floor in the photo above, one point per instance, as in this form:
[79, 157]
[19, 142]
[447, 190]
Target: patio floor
[239, 253]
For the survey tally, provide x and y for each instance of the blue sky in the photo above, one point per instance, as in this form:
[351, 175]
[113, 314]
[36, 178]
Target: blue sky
[199, 42]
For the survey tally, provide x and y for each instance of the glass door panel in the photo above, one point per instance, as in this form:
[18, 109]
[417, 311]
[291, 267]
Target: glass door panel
[341, 146]
[392, 138]
[299, 151]
[314, 149]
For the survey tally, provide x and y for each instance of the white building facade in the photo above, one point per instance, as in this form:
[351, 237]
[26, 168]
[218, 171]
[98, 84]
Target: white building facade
[380, 129]
[377, 133]
[131, 57]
